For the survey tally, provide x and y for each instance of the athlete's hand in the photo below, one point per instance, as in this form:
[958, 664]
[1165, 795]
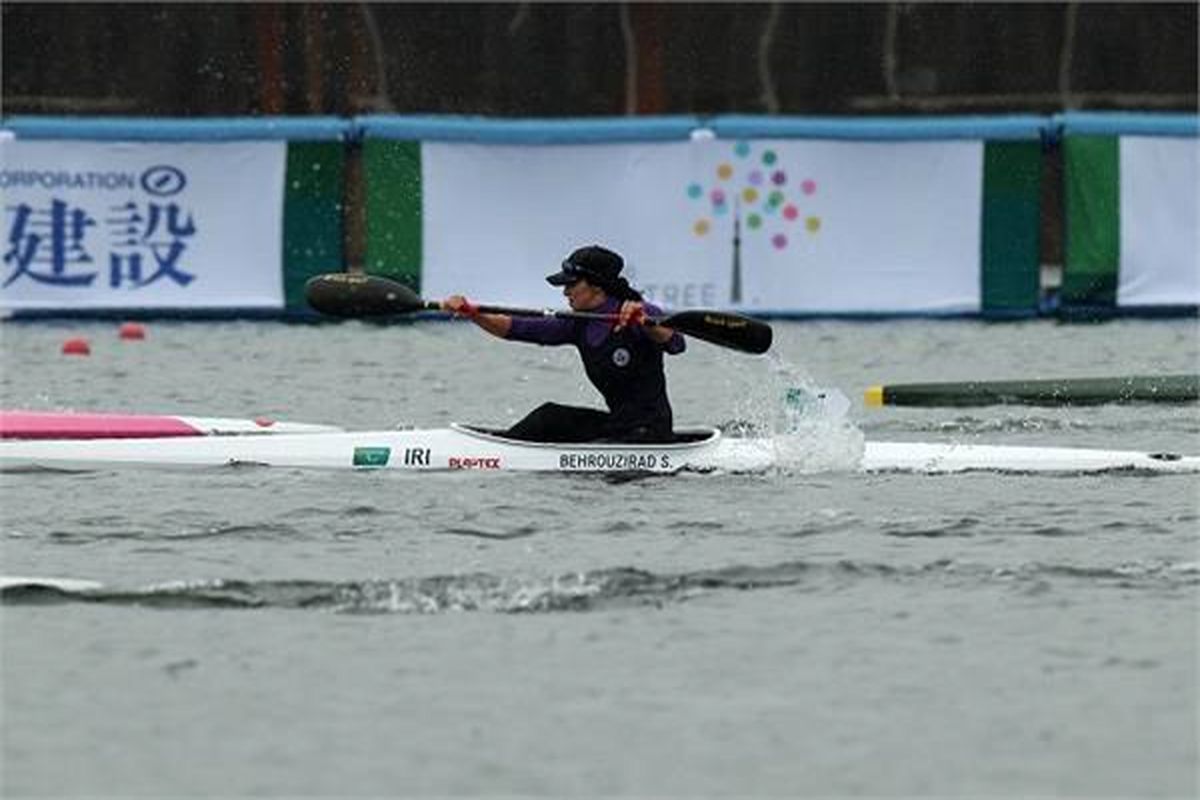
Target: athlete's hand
[632, 313]
[460, 306]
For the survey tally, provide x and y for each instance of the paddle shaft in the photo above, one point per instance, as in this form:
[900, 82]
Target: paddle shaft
[358, 295]
[549, 312]
[719, 328]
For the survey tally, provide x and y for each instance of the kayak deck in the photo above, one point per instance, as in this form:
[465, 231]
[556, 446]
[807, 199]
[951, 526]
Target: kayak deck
[89, 425]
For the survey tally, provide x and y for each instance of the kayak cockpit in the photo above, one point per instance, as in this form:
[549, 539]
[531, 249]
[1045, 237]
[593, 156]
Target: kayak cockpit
[684, 437]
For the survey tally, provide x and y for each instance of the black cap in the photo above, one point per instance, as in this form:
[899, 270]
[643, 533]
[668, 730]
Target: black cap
[597, 265]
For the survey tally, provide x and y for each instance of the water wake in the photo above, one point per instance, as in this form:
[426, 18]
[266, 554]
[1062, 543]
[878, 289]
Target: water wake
[595, 590]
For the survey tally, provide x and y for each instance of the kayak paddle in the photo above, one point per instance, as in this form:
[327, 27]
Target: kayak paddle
[347, 294]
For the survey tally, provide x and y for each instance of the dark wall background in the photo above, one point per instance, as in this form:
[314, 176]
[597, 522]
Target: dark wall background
[561, 59]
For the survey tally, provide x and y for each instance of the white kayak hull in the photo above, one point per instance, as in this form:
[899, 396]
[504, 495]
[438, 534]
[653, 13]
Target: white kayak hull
[464, 448]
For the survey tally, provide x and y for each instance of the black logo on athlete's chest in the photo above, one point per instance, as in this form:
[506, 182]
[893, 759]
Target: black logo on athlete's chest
[621, 357]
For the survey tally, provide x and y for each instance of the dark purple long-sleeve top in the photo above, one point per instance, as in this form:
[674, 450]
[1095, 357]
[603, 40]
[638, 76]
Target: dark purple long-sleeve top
[626, 366]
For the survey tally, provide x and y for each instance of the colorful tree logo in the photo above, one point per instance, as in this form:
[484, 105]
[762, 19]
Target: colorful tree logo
[755, 191]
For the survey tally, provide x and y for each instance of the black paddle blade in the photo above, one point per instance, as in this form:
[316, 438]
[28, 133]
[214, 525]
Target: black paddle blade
[347, 294]
[724, 329]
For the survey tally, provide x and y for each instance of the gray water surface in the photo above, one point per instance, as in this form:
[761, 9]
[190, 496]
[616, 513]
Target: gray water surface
[291, 633]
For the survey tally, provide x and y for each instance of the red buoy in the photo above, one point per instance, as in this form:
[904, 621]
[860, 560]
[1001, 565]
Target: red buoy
[76, 347]
[132, 330]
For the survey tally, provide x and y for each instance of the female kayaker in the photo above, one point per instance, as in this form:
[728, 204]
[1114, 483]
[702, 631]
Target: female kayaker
[623, 359]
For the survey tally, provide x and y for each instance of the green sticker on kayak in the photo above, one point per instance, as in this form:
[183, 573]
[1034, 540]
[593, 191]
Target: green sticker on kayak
[372, 456]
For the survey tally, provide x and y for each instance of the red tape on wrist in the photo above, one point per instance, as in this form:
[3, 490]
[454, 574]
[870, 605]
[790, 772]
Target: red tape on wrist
[469, 309]
[637, 317]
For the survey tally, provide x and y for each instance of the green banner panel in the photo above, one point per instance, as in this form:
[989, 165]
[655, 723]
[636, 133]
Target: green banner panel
[1011, 212]
[392, 174]
[1091, 166]
[312, 215]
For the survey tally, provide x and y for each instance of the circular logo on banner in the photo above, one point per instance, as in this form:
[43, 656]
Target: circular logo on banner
[620, 357]
[163, 180]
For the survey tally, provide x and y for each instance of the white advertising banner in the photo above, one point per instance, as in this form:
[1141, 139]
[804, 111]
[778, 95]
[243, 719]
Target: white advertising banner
[789, 226]
[499, 218]
[95, 225]
[1160, 221]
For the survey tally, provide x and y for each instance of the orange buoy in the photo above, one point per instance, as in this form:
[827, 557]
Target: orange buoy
[76, 347]
[132, 330]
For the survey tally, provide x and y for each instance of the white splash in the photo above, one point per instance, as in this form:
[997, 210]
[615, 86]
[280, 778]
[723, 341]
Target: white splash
[812, 430]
